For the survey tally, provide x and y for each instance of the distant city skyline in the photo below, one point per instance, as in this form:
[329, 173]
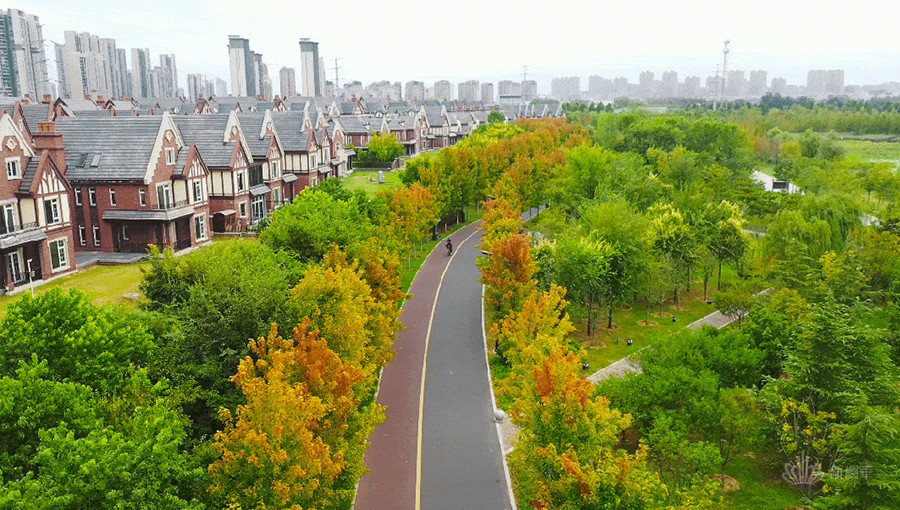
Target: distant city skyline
[576, 39]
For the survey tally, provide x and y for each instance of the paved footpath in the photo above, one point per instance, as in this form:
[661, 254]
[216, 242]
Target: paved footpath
[393, 452]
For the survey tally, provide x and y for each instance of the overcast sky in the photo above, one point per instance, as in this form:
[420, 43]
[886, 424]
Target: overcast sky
[491, 40]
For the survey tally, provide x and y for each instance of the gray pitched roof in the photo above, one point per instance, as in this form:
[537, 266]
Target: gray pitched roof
[355, 125]
[120, 146]
[35, 113]
[251, 123]
[208, 132]
[29, 174]
[78, 105]
[294, 138]
[434, 116]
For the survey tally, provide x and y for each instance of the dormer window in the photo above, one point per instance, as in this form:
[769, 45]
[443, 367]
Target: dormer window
[13, 168]
[170, 156]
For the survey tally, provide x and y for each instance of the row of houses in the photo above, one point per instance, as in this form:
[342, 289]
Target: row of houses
[116, 180]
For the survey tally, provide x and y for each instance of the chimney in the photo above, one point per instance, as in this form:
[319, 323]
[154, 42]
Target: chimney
[48, 99]
[47, 138]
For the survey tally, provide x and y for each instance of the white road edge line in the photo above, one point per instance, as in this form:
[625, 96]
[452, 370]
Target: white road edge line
[487, 363]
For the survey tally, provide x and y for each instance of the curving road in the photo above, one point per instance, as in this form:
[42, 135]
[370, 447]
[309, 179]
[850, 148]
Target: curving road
[439, 449]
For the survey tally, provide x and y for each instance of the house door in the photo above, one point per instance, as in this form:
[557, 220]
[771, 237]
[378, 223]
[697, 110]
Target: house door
[16, 266]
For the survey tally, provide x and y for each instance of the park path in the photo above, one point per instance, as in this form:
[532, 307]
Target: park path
[630, 364]
[393, 481]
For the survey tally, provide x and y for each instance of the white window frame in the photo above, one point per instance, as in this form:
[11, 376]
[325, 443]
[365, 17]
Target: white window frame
[81, 236]
[77, 195]
[10, 217]
[200, 227]
[197, 190]
[242, 209]
[112, 197]
[241, 182]
[92, 196]
[142, 196]
[170, 198]
[14, 168]
[276, 197]
[17, 265]
[125, 232]
[62, 254]
[55, 216]
[170, 156]
[276, 170]
[95, 230]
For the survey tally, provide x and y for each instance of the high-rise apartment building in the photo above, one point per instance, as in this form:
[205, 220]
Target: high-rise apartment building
[443, 90]
[197, 86]
[758, 85]
[23, 64]
[91, 65]
[736, 84]
[220, 87]
[647, 84]
[487, 93]
[599, 87]
[168, 76]
[820, 82]
[565, 89]
[779, 86]
[414, 91]
[691, 87]
[668, 85]
[241, 62]
[529, 90]
[467, 90]
[312, 77]
[287, 79]
[142, 79]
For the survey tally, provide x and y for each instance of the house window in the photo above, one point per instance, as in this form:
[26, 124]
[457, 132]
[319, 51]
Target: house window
[142, 193]
[276, 170]
[164, 196]
[78, 195]
[81, 239]
[313, 182]
[276, 197]
[59, 255]
[51, 211]
[124, 232]
[258, 207]
[198, 191]
[313, 164]
[16, 268]
[112, 197]
[200, 227]
[92, 196]
[240, 181]
[170, 156]
[9, 219]
[96, 231]
[243, 208]
[13, 171]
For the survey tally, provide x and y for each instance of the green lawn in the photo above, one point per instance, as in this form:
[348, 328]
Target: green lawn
[102, 284]
[367, 181]
[629, 322]
[761, 486]
[873, 150]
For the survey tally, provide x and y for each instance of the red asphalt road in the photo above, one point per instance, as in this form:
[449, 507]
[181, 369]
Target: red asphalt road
[391, 457]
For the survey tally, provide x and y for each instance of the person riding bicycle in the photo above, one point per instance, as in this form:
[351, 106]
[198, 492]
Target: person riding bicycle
[449, 246]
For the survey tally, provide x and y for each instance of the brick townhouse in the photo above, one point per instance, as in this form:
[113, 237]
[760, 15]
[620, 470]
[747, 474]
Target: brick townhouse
[135, 182]
[36, 230]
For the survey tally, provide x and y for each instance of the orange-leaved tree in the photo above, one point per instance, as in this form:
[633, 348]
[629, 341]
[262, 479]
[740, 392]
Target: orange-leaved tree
[566, 455]
[287, 446]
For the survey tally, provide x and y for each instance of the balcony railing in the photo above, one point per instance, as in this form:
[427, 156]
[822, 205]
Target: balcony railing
[173, 205]
[7, 229]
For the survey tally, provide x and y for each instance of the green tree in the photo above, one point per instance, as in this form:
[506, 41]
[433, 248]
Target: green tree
[81, 343]
[385, 147]
[312, 223]
[495, 117]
